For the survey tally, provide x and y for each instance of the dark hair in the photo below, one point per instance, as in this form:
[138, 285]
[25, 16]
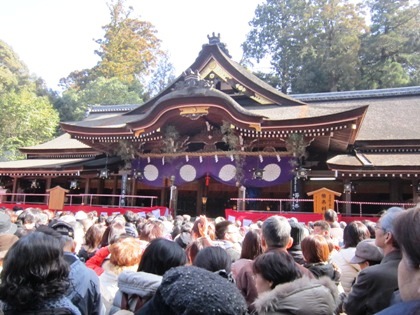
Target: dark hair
[33, 270]
[354, 233]
[221, 229]
[277, 267]
[407, 234]
[160, 255]
[213, 258]
[130, 216]
[315, 249]
[251, 245]
[371, 227]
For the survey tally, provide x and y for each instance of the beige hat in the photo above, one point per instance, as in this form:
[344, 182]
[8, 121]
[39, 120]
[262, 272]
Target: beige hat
[6, 241]
[367, 250]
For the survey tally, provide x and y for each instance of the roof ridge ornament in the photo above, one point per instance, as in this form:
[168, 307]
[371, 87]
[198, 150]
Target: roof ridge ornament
[192, 79]
[215, 40]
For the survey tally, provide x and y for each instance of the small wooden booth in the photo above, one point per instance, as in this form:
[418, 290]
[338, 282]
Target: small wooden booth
[57, 197]
[323, 199]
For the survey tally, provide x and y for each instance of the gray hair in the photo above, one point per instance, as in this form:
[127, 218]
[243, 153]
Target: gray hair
[276, 231]
[388, 218]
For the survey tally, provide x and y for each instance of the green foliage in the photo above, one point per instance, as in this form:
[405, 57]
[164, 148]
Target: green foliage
[13, 72]
[130, 47]
[74, 104]
[25, 120]
[390, 51]
[278, 31]
[330, 61]
[27, 116]
[325, 45]
[229, 136]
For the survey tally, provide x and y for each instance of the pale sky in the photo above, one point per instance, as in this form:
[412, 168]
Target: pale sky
[56, 37]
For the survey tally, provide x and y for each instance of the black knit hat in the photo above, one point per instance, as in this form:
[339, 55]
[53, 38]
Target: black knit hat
[190, 290]
[297, 232]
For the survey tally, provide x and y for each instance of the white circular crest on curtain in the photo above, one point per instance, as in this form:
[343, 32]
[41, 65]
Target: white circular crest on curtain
[151, 172]
[188, 173]
[227, 172]
[271, 172]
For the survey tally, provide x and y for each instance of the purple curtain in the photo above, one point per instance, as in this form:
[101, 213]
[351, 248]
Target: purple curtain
[275, 170]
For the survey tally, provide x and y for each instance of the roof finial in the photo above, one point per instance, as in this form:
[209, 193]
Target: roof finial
[214, 40]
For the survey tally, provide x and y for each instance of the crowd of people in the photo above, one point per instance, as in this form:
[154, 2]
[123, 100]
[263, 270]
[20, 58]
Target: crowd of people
[82, 263]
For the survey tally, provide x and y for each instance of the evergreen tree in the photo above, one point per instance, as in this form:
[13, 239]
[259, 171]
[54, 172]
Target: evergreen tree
[390, 51]
[27, 116]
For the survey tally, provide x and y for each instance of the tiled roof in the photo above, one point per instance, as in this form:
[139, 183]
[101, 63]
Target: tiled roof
[360, 94]
[377, 160]
[63, 142]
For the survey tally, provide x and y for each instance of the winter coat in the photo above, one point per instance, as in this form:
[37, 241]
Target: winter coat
[406, 308]
[300, 297]
[84, 291]
[324, 269]
[58, 306]
[134, 290]
[349, 271]
[374, 287]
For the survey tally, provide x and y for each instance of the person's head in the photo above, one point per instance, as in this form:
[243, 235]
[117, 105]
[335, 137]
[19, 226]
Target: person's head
[371, 227]
[213, 258]
[192, 250]
[193, 290]
[297, 232]
[200, 227]
[151, 230]
[112, 232]
[130, 216]
[384, 234]
[322, 227]
[65, 232]
[161, 255]
[315, 249]
[125, 252]
[226, 230]
[273, 268]
[330, 216]
[367, 254]
[94, 235]
[34, 270]
[276, 232]
[407, 233]
[354, 233]
[251, 245]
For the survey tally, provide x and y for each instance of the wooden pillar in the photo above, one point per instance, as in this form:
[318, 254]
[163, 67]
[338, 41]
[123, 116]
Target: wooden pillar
[14, 189]
[87, 190]
[47, 186]
[133, 191]
[347, 190]
[114, 189]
